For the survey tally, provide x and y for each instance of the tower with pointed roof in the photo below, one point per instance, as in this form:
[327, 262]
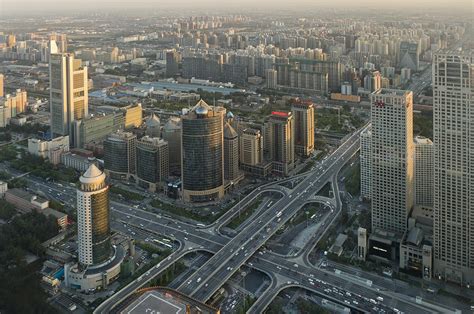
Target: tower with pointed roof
[93, 222]
[231, 153]
[153, 126]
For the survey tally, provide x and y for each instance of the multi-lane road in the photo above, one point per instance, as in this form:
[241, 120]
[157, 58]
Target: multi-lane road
[281, 270]
[219, 268]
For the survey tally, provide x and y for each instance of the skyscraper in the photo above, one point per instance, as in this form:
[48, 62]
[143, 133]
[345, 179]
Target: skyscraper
[152, 162]
[453, 124]
[281, 148]
[93, 222]
[172, 60]
[409, 55]
[202, 153]
[68, 92]
[99, 259]
[423, 166]
[251, 147]
[303, 113]
[172, 134]
[392, 159]
[120, 154]
[231, 153]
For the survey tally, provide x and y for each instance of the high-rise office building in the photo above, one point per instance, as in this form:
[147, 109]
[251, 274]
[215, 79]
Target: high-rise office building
[281, 148]
[409, 55]
[133, 116]
[172, 134]
[99, 260]
[96, 128]
[453, 117]
[152, 163]
[202, 153]
[423, 166]
[68, 92]
[231, 153]
[392, 159]
[251, 147]
[303, 113]
[120, 154]
[93, 221]
[172, 61]
[365, 163]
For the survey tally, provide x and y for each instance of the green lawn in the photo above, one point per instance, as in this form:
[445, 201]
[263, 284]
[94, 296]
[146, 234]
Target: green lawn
[246, 213]
[353, 181]
[301, 216]
[126, 194]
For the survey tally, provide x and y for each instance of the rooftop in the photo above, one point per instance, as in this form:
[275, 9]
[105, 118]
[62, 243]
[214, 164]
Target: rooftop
[164, 300]
[422, 140]
[92, 175]
[389, 91]
[57, 214]
[26, 195]
[229, 131]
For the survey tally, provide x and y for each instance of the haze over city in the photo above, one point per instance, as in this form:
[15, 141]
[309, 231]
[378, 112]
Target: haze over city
[51, 6]
[236, 156]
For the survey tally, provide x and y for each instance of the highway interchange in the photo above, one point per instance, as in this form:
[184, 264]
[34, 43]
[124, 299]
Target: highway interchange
[244, 249]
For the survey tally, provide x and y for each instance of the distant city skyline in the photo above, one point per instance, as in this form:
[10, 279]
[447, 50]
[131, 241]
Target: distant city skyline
[51, 6]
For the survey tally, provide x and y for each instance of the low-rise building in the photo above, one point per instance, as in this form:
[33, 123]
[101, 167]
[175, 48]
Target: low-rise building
[3, 188]
[78, 162]
[43, 148]
[94, 277]
[24, 201]
[61, 218]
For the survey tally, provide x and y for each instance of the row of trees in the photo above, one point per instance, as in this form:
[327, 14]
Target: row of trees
[40, 168]
[20, 290]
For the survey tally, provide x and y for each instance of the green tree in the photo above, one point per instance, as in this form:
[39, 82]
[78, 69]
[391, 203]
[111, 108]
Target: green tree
[7, 210]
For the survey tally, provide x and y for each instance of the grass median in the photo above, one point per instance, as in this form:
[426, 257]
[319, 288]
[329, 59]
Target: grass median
[246, 213]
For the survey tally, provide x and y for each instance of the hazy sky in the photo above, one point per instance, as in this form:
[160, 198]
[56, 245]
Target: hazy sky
[37, 6]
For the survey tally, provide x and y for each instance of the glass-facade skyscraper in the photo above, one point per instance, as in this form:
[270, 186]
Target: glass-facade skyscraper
[202, 156]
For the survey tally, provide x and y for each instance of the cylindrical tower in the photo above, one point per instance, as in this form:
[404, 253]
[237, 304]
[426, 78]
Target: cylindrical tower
[202, 157]
[93, 221]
